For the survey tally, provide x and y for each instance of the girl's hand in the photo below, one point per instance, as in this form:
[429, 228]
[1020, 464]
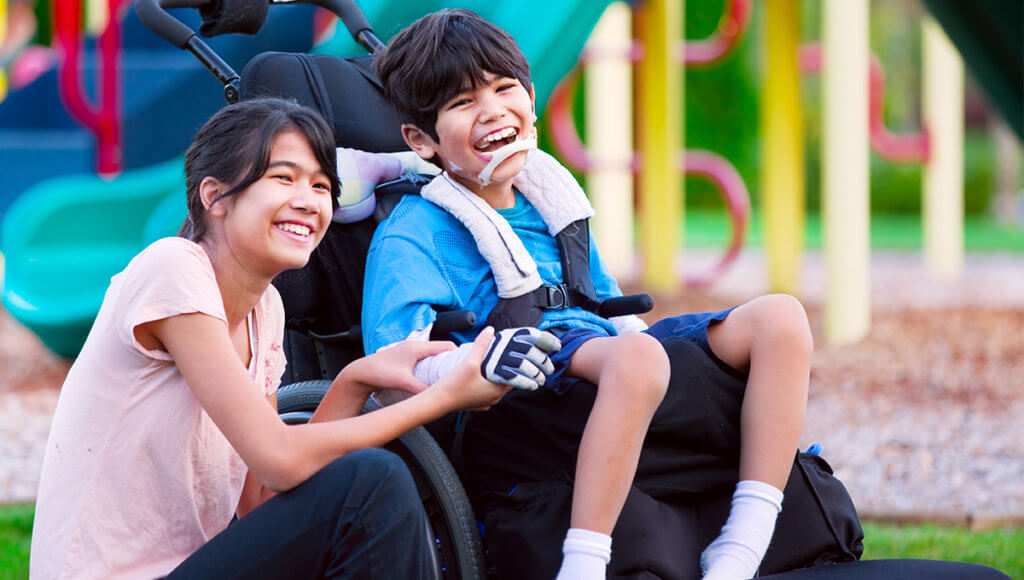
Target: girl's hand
[466, 386]
[392, 368]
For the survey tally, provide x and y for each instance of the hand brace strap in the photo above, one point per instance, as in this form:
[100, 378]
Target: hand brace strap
[519, 357]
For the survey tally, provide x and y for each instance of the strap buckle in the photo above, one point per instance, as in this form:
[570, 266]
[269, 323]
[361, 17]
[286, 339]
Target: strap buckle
[557, 297]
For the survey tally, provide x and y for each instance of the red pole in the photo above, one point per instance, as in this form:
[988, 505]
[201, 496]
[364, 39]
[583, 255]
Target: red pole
[102, 120]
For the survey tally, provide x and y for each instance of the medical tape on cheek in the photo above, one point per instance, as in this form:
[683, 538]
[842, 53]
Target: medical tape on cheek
[504, 153]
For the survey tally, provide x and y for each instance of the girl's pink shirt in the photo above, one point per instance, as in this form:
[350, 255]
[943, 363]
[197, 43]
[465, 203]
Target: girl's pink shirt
[136, 476]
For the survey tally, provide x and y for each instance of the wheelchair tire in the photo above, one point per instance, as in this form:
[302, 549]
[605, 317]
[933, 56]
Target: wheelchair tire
[449, 514]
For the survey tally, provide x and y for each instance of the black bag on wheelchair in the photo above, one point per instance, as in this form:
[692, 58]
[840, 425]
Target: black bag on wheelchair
[818, 525]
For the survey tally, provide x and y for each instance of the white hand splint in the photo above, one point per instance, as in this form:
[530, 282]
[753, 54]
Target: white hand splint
[503, 153]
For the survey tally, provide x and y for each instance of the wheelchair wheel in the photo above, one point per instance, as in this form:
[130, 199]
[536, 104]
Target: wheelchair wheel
[449, 514]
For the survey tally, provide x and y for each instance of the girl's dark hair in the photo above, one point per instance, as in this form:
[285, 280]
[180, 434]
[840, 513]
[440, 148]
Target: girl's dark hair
[441, 55]
[234, 147]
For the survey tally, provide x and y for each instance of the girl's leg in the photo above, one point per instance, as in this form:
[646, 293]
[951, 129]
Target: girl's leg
[359, 517]
[770, 338]
[631, 372]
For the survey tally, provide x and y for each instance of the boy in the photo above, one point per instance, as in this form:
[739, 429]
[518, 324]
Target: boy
[483, 237]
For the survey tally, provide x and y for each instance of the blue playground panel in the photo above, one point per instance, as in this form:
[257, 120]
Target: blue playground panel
[166, 95]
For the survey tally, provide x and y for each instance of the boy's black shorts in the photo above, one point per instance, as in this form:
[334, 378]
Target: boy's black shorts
[692, 445]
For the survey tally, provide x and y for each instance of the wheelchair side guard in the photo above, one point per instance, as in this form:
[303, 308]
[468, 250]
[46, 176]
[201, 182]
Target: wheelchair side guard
[449, 514]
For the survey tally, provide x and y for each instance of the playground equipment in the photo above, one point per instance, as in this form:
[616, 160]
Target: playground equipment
[609, 161]
[165, 98]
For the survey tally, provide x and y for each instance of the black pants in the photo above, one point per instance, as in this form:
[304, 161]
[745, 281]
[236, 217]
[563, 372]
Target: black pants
[359, 517]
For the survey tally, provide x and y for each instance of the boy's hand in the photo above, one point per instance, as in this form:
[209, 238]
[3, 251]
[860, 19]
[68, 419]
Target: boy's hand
[465, 386]
[519, 357]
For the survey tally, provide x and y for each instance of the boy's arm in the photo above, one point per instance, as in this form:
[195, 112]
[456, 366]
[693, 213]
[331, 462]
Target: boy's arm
[401, 284]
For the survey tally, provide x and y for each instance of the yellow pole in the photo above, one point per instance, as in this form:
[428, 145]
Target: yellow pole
[660, 132]
[782, 157]
[97, 12]
[609, 125]
[3, 37]
[942, 104]
[845, 183]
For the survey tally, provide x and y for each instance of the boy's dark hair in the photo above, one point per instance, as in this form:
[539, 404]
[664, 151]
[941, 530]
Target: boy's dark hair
[440, 55]
[234, 147]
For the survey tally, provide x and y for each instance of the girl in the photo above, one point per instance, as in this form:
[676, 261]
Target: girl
[167, 426]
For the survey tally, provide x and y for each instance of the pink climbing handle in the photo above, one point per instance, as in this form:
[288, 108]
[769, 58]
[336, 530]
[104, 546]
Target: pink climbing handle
[908, 147]
[731, 28]
[721, 173]
[566, 138]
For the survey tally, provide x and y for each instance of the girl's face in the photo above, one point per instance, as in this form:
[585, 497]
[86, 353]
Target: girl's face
[277, 221]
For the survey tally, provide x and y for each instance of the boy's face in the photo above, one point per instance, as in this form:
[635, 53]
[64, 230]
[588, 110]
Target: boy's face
[473, 124]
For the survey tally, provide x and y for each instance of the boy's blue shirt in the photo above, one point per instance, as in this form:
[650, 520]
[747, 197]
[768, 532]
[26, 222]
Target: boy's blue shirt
[422, 256]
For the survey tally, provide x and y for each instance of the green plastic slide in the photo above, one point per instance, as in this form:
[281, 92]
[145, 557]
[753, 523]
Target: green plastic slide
[63, 239]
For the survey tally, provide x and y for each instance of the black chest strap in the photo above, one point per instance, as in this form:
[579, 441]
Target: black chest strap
[575, 291]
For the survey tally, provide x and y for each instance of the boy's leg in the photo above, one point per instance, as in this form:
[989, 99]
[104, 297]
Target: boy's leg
[632, 373]
[770, 338]
[359, 517]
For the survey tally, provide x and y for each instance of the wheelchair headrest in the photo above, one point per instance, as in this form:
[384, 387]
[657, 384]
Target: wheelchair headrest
[223, 16]
[344, 90]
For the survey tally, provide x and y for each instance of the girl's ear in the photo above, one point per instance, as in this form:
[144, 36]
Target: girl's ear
[209, 190]
[419, 141]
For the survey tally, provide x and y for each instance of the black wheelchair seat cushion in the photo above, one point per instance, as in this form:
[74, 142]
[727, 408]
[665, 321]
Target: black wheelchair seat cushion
[518, 461]
[345, 91]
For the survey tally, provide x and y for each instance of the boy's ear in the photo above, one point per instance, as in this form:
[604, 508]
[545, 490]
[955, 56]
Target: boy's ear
[533, 102]
[419, 141]
[209, 189]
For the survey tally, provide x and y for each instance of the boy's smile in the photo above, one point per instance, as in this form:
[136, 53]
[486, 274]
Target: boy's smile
[475, 123]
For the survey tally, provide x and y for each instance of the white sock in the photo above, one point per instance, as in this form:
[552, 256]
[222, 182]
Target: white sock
[585, 555]
[737, 552]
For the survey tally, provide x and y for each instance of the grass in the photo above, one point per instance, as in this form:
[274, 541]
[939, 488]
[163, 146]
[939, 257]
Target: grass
[1000, 549]
[711, 228]
[15, 538]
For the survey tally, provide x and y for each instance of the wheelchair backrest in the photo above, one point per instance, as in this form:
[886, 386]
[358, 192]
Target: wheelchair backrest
[344, 90]
[325, 296]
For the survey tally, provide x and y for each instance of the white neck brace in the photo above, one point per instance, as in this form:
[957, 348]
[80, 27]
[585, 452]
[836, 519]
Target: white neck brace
[503, 153]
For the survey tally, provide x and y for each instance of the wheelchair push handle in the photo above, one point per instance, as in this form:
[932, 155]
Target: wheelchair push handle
[351, 16]
[153, 14]
[622, 305]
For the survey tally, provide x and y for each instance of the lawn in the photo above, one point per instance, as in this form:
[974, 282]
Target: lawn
[710, 228]
[997, 548]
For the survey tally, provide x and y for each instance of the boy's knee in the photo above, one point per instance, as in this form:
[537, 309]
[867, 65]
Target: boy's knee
[644, 355]
[781, 318]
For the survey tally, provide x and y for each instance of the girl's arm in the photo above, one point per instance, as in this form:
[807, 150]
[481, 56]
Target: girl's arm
[282, 456]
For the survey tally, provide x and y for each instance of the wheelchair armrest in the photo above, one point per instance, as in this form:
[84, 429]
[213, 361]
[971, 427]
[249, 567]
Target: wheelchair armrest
[622, 305]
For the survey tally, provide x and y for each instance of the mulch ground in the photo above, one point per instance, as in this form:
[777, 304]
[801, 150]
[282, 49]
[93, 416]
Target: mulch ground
[921, 418]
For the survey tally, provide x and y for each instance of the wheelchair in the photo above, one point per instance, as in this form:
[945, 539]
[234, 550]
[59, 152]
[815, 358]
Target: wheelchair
[323, 300]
